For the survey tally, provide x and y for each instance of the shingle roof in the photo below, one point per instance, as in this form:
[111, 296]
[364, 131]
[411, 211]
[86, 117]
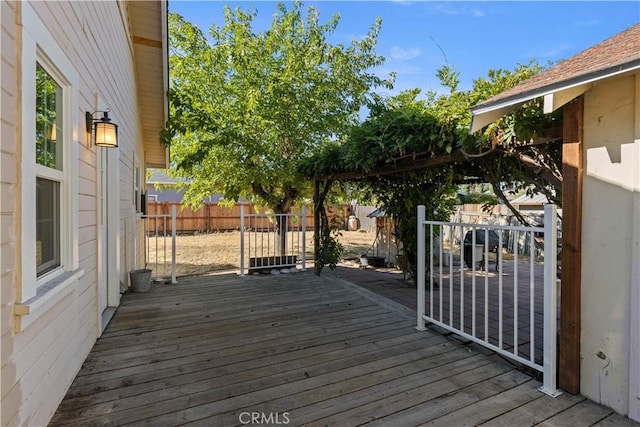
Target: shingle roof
[615, 54]
[535, 199]
[159, 176]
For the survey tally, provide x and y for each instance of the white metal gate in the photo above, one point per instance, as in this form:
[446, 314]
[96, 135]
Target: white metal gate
[262, 246]
[511, 308]
[160, 244]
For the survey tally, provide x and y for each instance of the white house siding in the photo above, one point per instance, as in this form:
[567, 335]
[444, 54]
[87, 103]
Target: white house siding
[610, 241]
[9, 175]
[40, 362]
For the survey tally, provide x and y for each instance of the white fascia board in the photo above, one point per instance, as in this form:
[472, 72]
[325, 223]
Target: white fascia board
[481, 119]
[483, 116]
[555, 100]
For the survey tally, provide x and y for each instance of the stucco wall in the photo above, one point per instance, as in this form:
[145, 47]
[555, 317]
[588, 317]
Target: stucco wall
[610, 239]
[40, 362]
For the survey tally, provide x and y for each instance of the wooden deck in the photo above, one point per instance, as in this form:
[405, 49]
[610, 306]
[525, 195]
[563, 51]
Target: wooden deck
[298, 350]
[446, 303]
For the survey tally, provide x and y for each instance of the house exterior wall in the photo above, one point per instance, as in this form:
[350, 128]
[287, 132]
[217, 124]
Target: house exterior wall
[41, 352]
[610, 244]
[164, 194]
[634, 300]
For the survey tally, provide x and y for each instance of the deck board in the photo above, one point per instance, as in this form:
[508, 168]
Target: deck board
[354, 392]
[397, 408]
[322, 351]
[534, 411]
[584, 413]
[490, 407]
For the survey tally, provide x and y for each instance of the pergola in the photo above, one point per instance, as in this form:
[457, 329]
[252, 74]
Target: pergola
[470, 169]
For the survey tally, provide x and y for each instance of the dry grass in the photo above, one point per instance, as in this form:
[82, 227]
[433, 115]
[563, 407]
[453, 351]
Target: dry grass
[215, 252]
[355, 243]
[209, 253]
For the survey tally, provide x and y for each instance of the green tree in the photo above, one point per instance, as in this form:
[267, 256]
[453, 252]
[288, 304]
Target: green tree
[247, 106]
[522, 148]
[410, 152]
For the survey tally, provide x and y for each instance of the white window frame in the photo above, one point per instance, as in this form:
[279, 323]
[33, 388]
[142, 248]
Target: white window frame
[37, 294]
[137, 187]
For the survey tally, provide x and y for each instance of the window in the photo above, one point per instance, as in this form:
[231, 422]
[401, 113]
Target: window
[48, 114]
[137, 198]
[49, 171]
[47, 225]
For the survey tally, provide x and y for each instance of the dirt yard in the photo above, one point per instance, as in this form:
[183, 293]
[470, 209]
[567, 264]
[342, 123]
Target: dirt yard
[215, 252]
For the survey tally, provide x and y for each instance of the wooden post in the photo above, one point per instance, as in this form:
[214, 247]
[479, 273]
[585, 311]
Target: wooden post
[570, 301]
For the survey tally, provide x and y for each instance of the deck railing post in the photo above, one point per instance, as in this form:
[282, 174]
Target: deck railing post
[421, 269]
[134, 235]
[241, 240]
[173, 243]
[304, 238]
[549, 384]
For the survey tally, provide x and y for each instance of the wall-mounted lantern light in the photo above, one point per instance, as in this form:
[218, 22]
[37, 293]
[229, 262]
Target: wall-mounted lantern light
[105, 133]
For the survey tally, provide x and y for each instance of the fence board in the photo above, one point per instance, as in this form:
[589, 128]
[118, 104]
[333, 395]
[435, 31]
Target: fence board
[210, 217]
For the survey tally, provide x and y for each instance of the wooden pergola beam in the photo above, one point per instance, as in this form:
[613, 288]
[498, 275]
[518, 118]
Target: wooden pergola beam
[396, 169]
[405, 164]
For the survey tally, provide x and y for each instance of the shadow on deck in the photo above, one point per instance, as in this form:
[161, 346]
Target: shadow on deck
[298, 350]
[493, 315]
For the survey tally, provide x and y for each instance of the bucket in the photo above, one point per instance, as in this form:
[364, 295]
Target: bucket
[353, 223]
[140, 280]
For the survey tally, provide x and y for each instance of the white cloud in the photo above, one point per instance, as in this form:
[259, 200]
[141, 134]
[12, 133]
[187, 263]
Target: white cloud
[477, 13]
[402, 2]
[553, 52]
[400, 54]
[451, 8]
[587, 23]
[446, 8]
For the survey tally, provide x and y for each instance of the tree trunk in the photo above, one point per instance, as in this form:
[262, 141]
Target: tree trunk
[321, 225]
[281, 207]
[282, 225]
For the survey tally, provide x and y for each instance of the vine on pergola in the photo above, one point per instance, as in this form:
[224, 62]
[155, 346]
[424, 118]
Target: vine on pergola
[410, 152]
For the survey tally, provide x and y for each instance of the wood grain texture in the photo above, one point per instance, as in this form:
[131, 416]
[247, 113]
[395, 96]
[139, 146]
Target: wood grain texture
[213, 347]
[570, 300]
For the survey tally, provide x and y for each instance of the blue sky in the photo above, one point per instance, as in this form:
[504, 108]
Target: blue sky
[418, 37]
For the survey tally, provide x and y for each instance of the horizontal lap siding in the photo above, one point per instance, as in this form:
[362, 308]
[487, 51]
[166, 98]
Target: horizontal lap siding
[40, 363]
[8, 180]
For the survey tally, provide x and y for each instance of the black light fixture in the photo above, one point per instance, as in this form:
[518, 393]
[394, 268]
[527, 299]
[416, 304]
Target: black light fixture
[105, 133]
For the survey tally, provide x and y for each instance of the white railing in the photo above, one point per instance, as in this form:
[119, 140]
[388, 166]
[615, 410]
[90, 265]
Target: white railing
[511, 309]
[262, 246]
[522, 243]
[160, 244]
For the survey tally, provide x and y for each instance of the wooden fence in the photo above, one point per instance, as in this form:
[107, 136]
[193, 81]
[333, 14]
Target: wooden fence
[213, 217]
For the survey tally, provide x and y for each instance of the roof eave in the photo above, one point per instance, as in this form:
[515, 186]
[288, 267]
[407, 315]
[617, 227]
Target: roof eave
[150, 45]
[486, 113]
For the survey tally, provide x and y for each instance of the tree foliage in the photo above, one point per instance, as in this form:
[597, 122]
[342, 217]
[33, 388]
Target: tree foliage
[398, 130]
[410, 152]
[247, 106]
[522, 148]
